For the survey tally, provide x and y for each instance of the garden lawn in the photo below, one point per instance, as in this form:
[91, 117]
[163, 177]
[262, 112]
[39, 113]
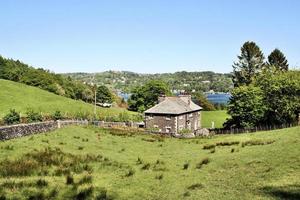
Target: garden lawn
[88, 162]
[218, 117]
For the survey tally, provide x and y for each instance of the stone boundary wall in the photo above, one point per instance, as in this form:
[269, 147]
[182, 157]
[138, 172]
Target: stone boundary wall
[20, 130]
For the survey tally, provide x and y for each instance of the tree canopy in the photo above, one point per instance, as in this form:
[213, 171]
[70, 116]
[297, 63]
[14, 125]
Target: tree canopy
[278, 60]
[146, 96]
[250, 62]
[104, 95]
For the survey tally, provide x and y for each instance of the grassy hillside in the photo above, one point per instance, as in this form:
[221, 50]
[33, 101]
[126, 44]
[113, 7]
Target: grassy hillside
[87, 161]
[21, 97]
[218, 116]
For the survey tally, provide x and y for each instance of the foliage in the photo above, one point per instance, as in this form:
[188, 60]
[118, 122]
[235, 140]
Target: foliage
[104, 95]
[202, 101]
[249, 63]
[57, 115]
[281, 96]
[146, 96]
[277, 59]
[33, 116]
[44, 79]
[188, 81]
[13, 117]
[246, 107]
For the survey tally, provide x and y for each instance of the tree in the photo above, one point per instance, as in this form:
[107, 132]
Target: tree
[146, 96]
[246, 107]
[202, 101]
[104, 95]
[281, 96]
[278, 60]
[249, 63]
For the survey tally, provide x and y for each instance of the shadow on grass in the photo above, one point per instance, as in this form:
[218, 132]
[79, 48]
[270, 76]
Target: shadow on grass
[289, 192]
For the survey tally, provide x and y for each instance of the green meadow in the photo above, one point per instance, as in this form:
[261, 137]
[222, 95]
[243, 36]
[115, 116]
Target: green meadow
[218, 117]
[21, 97]
[93, 163]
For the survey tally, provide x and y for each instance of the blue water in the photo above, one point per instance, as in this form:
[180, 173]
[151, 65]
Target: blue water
[221, 98]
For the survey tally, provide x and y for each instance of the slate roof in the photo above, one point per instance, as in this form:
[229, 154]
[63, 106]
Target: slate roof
[174, 105]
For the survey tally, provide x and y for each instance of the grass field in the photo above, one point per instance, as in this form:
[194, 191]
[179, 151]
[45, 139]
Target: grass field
[22, 97]
[218, 116]
[105, 164]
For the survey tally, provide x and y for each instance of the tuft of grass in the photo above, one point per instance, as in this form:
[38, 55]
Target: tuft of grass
[146, 166]
[227, 143]
[84, 192]
[69, 180]
[195, 186]
[209, 146]
[159, 177]
[257, 142]
[80, 148]
[130, 172]
[186, 165]
[212, 150]
[139, 161]
[204, 161]
[41, 183]
[87, 178]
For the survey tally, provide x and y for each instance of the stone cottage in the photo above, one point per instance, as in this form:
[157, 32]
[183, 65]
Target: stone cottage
[173, 115]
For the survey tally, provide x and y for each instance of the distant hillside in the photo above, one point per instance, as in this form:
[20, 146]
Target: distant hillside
[187, 81]
[17, 71]
[22, 97]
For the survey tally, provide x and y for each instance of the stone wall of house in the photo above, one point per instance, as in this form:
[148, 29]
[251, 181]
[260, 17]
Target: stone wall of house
[20, 130]
[189, 121]
[164, 123]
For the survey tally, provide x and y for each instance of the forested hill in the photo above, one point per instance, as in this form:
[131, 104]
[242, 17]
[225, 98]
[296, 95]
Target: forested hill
[188, 81]
[14, 70]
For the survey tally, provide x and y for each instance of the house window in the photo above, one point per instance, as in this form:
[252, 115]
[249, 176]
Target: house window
[168, 129]
[191, 115]
[150, 117]
[181, 117]
[168, 117]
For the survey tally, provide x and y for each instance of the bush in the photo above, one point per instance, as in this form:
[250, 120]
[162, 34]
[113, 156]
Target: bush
[57, 115]
[209, 146]
[33, 116]
[12, 117]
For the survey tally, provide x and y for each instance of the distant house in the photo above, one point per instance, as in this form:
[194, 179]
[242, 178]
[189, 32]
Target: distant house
[173, 115]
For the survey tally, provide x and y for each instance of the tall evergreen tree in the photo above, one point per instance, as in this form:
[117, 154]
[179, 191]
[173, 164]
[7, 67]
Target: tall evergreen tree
[249, 63]
[278, 60]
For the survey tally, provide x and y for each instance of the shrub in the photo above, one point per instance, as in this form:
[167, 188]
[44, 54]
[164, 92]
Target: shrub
[102, 194]
[204, 161]
[257, 142]
[57, 115]
[12, 117]
[213, 150]
[33, 116]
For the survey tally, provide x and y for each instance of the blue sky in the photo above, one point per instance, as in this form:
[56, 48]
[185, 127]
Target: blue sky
[145, 35]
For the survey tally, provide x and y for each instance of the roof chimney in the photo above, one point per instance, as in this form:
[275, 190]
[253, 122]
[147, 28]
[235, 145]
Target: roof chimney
[161, 98]
[186, 98]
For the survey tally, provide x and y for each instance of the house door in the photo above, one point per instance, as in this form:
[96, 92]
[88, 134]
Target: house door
[189, 126]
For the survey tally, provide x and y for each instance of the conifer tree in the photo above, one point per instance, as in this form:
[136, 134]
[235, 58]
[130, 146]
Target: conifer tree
[278, 60]
[250, 62]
